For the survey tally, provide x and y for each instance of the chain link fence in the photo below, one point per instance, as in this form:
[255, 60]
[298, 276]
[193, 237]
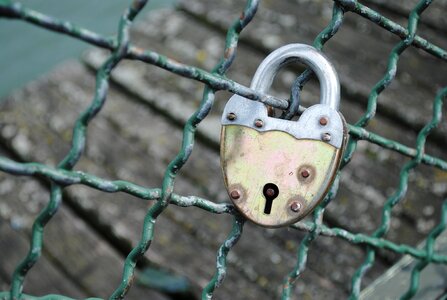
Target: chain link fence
[121, 48]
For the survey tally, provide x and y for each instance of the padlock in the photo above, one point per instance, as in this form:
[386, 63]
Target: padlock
[277, 171]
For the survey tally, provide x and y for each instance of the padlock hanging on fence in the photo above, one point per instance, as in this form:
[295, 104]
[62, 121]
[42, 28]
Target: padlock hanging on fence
[276, 171]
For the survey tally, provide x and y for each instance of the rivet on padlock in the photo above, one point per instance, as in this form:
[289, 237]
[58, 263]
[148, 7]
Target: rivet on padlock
[277, 171]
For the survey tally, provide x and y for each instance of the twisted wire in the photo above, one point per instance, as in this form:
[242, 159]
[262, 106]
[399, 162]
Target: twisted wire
[429, 248]
[400, 192]
[16, 10]
[303, 249]
[392, 27]
[420, 143]
[327, 33]
[78, 177]
[187, 146]
[215, 80]
[77, 148]
[221, 260]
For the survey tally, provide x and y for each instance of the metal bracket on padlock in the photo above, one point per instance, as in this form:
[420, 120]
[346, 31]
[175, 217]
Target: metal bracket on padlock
[276, 171]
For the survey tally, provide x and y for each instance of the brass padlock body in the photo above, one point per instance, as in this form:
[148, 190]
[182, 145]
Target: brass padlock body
[277, 171]
[255, 159]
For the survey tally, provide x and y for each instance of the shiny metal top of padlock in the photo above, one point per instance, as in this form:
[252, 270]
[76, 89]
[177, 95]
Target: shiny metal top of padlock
[253, 114]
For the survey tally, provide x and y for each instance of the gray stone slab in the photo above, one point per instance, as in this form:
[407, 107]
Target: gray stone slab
[38, 123]
[45, 278]
[76, 261]
[395, 282]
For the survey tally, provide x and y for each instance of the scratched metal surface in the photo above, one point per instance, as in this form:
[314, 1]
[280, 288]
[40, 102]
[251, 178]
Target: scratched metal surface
[63, 175]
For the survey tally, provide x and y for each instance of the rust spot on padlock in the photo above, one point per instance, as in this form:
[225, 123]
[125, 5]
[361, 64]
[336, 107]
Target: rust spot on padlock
[323, 121]
[277, 171]
[235, 194]
[306, 173]
[259, 123]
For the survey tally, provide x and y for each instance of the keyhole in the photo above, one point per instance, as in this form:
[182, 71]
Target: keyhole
[270, 192]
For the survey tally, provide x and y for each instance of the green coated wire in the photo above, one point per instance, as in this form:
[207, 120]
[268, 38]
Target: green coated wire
[392, 27]
[221, 260]
[77, 148]
[187, 146]
[121, 48]
[369, 114]
[429, 248]
[64, 177]
[323, 37]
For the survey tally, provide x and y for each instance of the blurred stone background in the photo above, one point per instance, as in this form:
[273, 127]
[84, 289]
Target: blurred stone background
[139, 132]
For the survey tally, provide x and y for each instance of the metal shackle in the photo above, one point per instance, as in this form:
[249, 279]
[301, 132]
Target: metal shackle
[244, 112]
[311, 57]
